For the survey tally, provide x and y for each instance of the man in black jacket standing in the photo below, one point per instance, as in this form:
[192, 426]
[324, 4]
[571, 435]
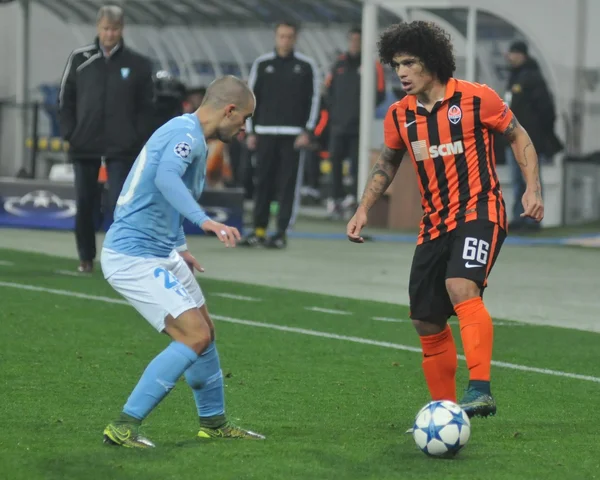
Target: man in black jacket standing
[106, 113]
[286, 86]
[530, 100]
[343, 103]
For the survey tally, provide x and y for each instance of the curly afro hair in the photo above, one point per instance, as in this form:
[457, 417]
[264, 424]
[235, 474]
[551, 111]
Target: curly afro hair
[425, 40]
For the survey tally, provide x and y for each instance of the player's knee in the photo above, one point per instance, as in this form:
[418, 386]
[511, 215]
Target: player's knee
[191, 329]
[425, 328]
[461, 289]
[205, 315]
[198, 340]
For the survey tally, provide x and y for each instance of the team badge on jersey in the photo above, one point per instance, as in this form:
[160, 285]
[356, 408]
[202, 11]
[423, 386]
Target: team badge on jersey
[454, 114]
[183, 149]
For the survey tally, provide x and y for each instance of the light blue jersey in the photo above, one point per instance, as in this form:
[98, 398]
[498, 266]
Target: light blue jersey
[161, 190]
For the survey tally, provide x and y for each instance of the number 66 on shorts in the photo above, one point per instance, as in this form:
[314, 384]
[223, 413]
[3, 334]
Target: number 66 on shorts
[469, 251]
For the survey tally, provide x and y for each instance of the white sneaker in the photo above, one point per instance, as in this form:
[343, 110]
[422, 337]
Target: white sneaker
[348, 202]
[331, 206]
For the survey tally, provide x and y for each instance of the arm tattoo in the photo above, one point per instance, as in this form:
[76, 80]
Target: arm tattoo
[510, 131]
[381, 176]
[525, 156]
[393, 157]
[524, 161]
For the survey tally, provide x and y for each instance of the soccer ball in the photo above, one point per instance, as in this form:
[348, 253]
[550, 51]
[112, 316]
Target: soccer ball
[441, 429]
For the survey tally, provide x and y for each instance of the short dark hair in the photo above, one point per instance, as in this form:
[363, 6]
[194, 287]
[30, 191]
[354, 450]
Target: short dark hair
[287, 23]
[519, 46]
[225, 90]
[425, 40]
[355, 30]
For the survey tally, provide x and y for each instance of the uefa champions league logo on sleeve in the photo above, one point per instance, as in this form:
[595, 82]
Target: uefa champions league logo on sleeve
[183, 149]
[40, 203]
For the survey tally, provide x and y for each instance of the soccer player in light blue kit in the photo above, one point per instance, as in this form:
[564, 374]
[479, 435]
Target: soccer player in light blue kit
[145, 259]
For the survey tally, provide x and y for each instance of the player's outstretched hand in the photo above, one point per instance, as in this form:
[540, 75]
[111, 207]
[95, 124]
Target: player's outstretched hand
[191, 261]
[355, 225]
[228, 235]
[533, 205]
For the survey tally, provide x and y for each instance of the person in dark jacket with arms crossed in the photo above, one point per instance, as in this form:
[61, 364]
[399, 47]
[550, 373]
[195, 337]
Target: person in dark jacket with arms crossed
[106, 113]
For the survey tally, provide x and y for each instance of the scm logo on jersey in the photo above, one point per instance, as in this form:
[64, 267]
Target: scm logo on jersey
[421, 152]
[446, 149]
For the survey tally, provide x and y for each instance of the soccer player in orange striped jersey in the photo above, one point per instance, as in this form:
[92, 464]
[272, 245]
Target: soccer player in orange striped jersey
[445, 126]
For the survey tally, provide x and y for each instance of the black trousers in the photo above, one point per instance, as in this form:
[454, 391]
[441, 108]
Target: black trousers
[236, 153]
[312, 169]
[277, 165]
[341, 147]
[247, 172]
[88, 198]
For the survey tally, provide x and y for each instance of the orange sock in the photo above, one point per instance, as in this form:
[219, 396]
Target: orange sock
[439, 364]
[477, 333]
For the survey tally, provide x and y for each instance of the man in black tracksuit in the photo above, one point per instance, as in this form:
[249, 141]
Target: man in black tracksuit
[343, 103]
[106, 113]
[286, 86]
[530, 100]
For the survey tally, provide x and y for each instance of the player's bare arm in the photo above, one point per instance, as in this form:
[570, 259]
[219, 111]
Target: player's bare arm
[527, 158]
[525, 153]
[381, 176]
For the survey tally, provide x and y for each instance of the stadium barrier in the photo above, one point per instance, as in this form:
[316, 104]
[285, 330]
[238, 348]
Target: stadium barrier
[581, 201]
[41, 204]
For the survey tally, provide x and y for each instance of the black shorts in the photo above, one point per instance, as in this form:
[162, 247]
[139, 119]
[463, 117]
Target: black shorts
[469, 251]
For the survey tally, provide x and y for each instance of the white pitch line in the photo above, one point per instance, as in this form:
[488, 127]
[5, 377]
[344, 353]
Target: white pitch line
[304, 331]
[6, 263]
[328, 310]
[65, 293]
[68, 273]
[498, 323]
[387, 319]
[452, 322]
[232, 296]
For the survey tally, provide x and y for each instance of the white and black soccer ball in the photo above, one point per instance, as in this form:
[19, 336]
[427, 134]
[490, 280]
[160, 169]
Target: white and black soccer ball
[441, 429]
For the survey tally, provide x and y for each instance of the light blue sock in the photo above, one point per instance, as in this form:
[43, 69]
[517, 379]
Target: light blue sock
[158, 379]
[206, 379]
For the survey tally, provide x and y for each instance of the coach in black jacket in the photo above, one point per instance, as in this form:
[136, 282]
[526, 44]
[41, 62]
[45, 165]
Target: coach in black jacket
[286, 86]
[106, 113]
[342, 99]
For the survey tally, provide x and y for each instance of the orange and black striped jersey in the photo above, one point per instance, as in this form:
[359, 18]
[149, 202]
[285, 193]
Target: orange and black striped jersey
[452, 151]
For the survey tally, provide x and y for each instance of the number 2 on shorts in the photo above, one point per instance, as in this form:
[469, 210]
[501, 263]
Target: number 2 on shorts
[170, 281]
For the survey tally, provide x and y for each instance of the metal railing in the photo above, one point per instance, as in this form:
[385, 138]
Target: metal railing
[40, 143]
